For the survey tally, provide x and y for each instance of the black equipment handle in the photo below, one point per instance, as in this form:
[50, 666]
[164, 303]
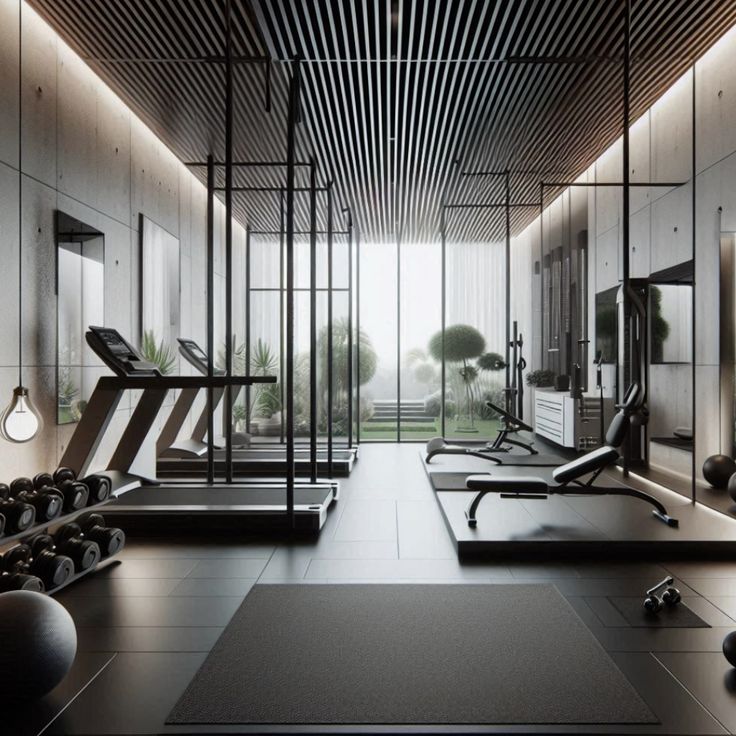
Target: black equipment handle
[508, 417]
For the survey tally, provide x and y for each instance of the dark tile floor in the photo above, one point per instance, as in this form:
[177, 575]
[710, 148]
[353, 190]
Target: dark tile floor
[145, 625]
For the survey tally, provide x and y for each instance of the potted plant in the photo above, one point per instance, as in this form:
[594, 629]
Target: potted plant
[364, 370]
[541, 378]
[268, 410]
[158, 353]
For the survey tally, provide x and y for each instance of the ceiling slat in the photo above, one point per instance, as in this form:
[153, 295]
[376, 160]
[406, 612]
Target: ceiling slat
[396, 91]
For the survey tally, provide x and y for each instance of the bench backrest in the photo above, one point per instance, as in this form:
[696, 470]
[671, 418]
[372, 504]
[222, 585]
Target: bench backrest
[594, 460]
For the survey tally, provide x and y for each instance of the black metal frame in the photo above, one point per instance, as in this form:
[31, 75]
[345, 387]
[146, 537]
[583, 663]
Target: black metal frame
[313, 289]
[572, 488]
[507, 206]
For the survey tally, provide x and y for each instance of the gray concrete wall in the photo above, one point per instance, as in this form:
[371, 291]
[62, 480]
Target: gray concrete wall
[662, 231]
[85, 153]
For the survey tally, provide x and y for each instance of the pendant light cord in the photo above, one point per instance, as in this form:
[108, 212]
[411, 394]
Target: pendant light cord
[20, 193]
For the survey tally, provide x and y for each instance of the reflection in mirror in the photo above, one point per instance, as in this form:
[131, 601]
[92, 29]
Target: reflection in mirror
[671, 325]
[160, 311]
[80, 280]
[727, 344]
[670, 360]
[605, 324]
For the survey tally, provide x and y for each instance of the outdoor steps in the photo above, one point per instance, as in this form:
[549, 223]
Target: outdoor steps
[412, 411]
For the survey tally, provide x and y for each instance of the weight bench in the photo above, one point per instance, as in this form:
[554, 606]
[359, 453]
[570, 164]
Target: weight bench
[511, 424]
[568, 482]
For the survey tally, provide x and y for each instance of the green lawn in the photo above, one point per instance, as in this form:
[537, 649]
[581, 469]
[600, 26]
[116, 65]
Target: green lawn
[486, 429]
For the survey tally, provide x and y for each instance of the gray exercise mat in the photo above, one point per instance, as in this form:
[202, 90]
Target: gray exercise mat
[405, 654]
[673, 617]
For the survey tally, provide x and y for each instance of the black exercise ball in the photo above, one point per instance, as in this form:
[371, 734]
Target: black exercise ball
[729, 648]
[732, 486]
[38, 643]
[717, 470]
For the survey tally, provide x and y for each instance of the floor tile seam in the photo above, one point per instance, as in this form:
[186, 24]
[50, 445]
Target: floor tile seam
[89, 682]
[688, 691]
[263, 569]
[718, 607]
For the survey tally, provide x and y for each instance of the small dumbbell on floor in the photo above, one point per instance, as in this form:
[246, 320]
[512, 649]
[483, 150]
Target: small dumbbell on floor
[662, 594]
[70, 541]
[109, 538]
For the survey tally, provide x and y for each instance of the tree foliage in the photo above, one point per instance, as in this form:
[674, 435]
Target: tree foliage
[461, 343]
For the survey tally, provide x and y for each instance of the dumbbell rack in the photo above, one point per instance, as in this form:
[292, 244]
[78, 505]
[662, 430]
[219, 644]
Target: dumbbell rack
[7, 541]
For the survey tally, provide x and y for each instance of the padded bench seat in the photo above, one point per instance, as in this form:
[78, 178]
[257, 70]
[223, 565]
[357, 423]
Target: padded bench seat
[506, 484]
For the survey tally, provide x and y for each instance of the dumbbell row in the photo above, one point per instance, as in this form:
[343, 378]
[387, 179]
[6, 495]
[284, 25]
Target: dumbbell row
[46, 562]
[46, 497]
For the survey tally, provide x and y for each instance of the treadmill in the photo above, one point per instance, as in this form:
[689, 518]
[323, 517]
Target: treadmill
[188, 457]
[141, 500]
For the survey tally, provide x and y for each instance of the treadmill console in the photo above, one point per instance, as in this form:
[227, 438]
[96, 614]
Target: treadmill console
[117, 354]
[196, 356]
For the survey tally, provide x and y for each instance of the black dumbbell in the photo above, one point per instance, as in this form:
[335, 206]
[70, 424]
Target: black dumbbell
[24, 490]
[20, 581]
[19, 515]
[99, 488]
[70, 541]
[62, 474]
[16, 558]
[75, 494]
[109, 538]
[47, 501]
[37, 558]
[46, 563]
[43, 479]
[670, 597]
[20, 485]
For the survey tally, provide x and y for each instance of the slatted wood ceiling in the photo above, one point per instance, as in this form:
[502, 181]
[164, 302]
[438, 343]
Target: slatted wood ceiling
[399, 95]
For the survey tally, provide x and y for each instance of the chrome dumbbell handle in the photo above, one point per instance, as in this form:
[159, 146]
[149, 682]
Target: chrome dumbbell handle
[661, 584]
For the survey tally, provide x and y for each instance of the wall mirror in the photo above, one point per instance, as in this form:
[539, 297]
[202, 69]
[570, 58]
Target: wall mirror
[160, 295]
[80, 289]
[727, 343]
[670, 310]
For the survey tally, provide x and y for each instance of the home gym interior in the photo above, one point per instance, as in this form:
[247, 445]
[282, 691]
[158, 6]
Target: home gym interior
[367, 366]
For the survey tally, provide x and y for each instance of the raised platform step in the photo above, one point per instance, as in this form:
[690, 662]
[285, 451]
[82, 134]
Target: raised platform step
[585, 526]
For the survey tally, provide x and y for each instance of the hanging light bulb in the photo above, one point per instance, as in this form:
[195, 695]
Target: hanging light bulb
[20, 421]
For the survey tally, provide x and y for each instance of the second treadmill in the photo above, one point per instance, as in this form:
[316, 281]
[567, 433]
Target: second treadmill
[188, 458]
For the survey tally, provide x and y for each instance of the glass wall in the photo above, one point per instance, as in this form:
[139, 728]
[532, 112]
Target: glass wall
[401, 324]
[420, 311]
[475, 337]
[378, 349]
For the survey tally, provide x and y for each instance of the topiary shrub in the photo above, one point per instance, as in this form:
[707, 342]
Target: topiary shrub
[461, 343]
[491, 362]
[433, 406]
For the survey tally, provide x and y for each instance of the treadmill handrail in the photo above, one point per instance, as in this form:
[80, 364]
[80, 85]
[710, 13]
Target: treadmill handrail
[170, 382]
